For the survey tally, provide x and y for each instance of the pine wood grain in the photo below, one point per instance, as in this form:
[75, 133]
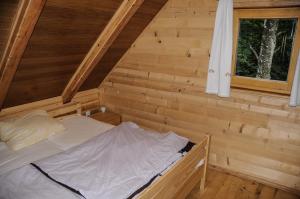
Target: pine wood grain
[225, 186]
[24, 22]
[123, 42]
[160, 83]
[108, 117]
[111, 31]
[85, 100]
[7, 11]
[62, 37]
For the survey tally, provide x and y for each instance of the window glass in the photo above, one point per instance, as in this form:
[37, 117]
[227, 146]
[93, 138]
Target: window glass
[264, 48]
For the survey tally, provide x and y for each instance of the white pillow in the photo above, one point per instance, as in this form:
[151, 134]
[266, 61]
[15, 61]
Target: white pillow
[29, 129]
[7, 125]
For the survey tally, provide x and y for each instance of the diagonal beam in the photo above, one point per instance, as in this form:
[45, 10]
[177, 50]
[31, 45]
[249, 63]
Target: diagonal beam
[121, 17]
[25, 20]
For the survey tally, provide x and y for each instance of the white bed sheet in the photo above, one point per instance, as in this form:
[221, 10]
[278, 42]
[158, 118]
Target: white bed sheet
[123, 159]
[78, 130]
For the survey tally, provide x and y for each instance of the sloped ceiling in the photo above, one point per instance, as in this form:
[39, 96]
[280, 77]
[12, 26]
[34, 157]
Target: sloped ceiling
[7, 10]
[133, 29]
[64, 33]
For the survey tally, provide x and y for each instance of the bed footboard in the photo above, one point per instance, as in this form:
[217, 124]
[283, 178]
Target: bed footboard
[182, 177]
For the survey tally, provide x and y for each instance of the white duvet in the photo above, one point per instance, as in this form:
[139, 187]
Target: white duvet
[78, 130]
[111, 165]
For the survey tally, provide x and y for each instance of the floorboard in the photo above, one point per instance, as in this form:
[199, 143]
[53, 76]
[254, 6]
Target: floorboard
[225, 186]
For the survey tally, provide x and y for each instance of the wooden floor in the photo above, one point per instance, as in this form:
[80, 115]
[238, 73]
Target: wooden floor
[224, 186]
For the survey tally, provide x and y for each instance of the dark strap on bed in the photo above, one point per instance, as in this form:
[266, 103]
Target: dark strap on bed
[60, 183]
[186, 149]
[143, 187]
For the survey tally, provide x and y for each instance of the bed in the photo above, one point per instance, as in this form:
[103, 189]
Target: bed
[105, 161]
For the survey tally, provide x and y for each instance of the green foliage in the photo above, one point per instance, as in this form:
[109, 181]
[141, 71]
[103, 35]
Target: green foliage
[250, 36]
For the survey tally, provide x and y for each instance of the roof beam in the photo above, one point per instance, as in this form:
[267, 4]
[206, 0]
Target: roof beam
[25, 20]
[121, 17]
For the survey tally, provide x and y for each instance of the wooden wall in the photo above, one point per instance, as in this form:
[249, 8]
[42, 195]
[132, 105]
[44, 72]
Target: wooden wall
[132, 30]
[7, 11]
[160, 83]
[86, 100]
[62, 37]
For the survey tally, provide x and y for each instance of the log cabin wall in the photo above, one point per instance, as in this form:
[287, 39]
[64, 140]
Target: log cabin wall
[160, 82]
[85, 100]
[131, 31]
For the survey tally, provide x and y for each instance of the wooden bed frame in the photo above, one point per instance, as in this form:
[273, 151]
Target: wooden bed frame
[183, 176]
[55, 110]
[177, 182]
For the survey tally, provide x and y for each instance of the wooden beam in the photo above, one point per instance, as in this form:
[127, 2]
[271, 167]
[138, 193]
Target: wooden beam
[22, 28]
[86, 99]
[122, 16]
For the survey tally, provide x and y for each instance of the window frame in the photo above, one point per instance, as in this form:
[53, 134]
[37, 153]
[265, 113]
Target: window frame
[274, 86]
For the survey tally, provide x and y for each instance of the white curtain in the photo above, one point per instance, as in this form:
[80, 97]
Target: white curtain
[295, 94]
[219, 70]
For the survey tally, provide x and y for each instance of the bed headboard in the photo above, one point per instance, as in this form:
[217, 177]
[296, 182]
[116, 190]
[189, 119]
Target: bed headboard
[55, 110]
[66, 109]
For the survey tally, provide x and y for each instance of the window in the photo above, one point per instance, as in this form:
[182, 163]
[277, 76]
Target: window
[266, 46]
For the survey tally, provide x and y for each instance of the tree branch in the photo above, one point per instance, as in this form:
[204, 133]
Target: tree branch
[254, 51]
[276, 50]
[280, 33]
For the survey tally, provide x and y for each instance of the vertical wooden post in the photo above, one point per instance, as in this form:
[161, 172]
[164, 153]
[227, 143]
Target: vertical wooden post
[203, 180]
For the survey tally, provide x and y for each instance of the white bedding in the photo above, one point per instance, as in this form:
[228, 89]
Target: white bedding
[111, 165]
[78, 130]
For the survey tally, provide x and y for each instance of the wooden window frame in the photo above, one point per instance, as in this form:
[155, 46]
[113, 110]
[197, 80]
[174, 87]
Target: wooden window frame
[275, 86]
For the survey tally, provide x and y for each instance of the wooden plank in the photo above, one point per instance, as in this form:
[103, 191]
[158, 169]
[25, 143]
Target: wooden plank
[227, 186]
[174, 179]
[160, 84]
[8, 9]
[106, 38]
[23, 25]
[284, 195]
[107, 117]
[63, 35]
[203, 180]
[265, 3]
[138, 22]
[55, 105]
[267, 193]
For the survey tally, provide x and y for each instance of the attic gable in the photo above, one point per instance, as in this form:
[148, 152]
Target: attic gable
[63, 35]
[22, 27]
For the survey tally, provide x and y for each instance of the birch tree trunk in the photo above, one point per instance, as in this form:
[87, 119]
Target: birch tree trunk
[267, 49]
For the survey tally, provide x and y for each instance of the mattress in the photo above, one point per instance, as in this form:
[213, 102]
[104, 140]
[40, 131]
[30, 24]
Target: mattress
[78, 130]
[114, 164]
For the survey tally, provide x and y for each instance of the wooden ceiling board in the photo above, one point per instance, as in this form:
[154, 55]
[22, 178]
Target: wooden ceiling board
[23, 25]
[8, 10]
[126, 38]
[115, 26]
[63, 35]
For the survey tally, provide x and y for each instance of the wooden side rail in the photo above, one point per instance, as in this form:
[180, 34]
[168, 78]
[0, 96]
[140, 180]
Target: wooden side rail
[66, 109]
[55, 109]
[176, 183]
